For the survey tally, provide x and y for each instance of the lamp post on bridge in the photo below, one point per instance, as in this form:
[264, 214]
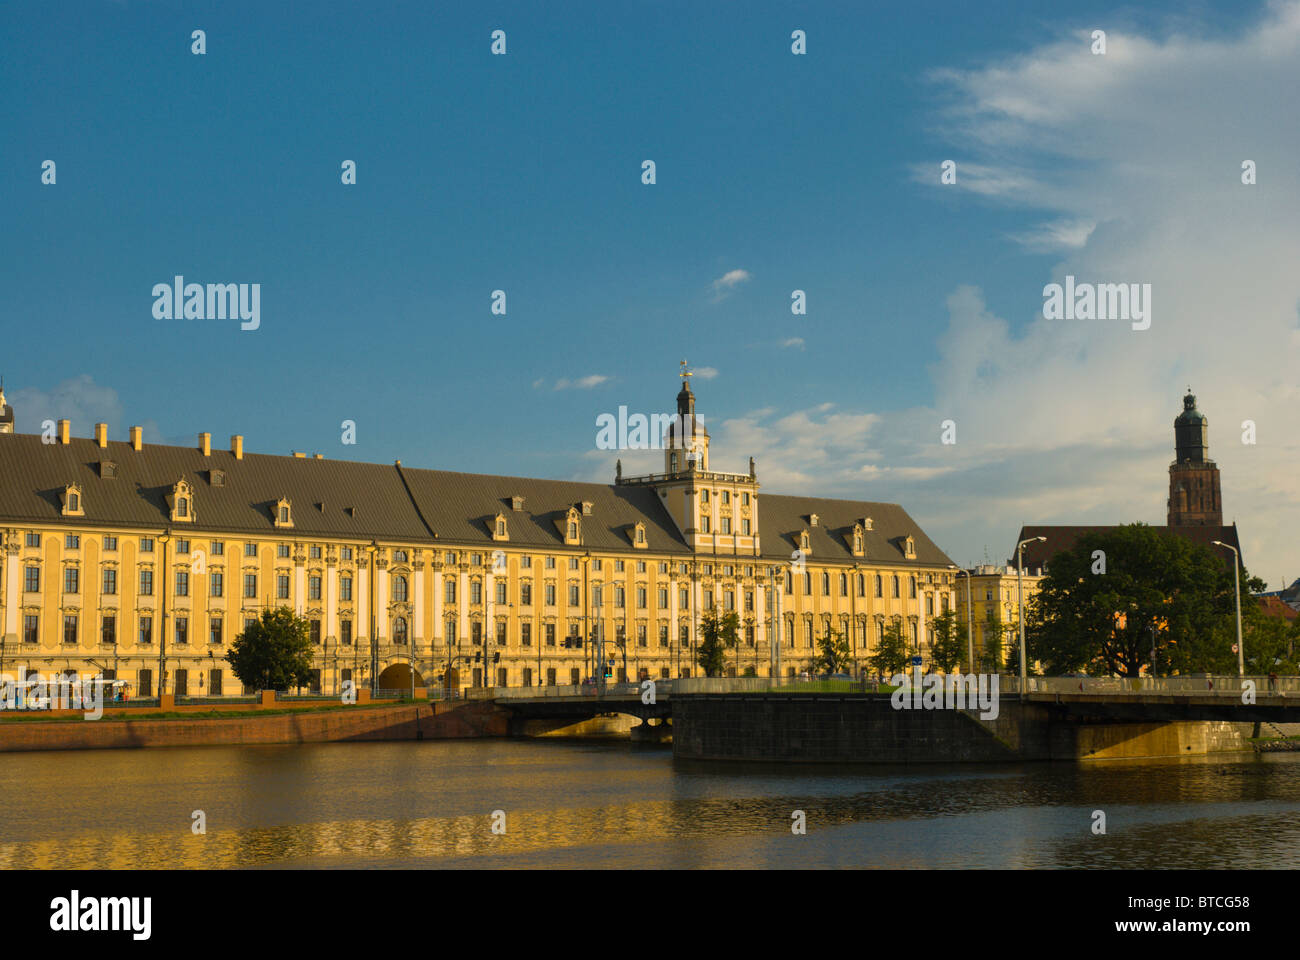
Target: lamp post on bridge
[1020, 603]
[970, 623]
[1236, 584]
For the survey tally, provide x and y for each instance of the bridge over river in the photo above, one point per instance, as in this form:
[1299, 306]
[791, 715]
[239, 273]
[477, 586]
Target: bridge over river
[1051, 717]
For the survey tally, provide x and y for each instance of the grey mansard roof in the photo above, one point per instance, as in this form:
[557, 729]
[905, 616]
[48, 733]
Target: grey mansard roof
[340, 499]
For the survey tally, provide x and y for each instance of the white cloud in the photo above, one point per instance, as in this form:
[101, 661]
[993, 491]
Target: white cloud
[792, 342]
[1134, 161]
[79, 399]
[704, 373]
[725, 284]
[581, 383]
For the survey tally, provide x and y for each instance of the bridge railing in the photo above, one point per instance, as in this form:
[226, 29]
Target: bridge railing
[1228, 686]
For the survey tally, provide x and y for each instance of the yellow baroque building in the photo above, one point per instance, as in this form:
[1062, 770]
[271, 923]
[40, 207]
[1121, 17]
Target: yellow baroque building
[141, 562]
[994, 615]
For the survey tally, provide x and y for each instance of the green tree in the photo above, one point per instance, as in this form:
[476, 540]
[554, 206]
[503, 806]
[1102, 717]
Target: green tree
[274, 652]
[891, 656]
[1270, 641]
[991, 656]
[717, 634]
[949, 646]
[1158, 590]
[833, 653]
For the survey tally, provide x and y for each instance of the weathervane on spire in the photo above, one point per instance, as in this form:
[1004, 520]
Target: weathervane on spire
[686, 373]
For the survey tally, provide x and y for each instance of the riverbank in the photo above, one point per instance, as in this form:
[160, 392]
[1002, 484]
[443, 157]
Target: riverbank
[306, 724]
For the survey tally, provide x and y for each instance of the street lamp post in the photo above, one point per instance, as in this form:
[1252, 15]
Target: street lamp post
[373, 550]
[970, 623]
[1236, 584]
[1020, 604]
[162, 639]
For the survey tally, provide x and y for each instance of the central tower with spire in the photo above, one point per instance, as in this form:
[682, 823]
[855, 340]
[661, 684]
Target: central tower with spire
[1194, 495]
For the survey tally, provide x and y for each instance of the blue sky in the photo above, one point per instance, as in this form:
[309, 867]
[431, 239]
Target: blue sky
[522, 173]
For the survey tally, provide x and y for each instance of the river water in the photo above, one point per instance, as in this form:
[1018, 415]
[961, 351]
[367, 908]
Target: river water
[599, 804]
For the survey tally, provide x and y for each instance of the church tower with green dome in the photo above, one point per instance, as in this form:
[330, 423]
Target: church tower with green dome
[1194, 495]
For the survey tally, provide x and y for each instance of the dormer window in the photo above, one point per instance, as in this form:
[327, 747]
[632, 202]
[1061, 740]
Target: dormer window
[516, 502]
[72, 501]
[217, 478]
[803, 541]
[909, 548]
[571, 527]
[499, 529]
[107, 469]
[283, 512]
[586, 509]
[856, 541]
[812, 519]
[181, 502]
[866, 523]
[638, 535]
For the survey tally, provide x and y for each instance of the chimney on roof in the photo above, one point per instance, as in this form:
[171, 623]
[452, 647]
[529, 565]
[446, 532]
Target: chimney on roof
[205, 443]
[101, 434]
[137, 436]
[318, 456]
[300, 456]
[237, 446]
[65, 432]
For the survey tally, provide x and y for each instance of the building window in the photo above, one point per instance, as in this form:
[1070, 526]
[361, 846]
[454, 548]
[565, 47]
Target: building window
[313, 631]
[399, 556]
[685, 598]
[110, 581]
[250, 586]
[641, 598]
[108, 630]
[399, 631]
[728, 600]
[146, 630]
[182, 583]
[215, 686]
[500, 588]
[749, 601]
[826, 584]
[749, 636]
[526, 594]
[844, 584]
[475, 591]
[896, 585]
[282, 550]
[71, 580]
[573, 595]
[216, 584]
[217, 548]
[214, 630]
[684, 635]
[526, 634]
[345, 553]
[476, 633]
[663, 634]
[501, 633]
[314, 552]
[345, 632]
[449, 590]
[182, 547]
[182, 630]
[345, 589]
[70, 628]
[313, 588]
[146, 583]
[33, 539]
[620, 598]
[146, 544]
[399, 589]
[807, 583]
[913, 588]
[110, 543]
[704, 524]
[72, 541]
[282, 586]
[144, 681]
[550, 594]
[550, 634]
[31, 627]
[641, 635]
[250, 550]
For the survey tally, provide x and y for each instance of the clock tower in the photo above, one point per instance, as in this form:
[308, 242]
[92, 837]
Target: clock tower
[1194, 495]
